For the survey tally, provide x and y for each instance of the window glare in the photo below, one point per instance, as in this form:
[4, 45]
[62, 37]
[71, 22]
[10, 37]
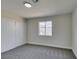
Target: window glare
[48, 24]
[45, 28]
[41, 31]
[49, 31]
[41, 24]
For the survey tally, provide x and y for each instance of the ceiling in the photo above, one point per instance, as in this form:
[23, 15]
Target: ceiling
[41, 8]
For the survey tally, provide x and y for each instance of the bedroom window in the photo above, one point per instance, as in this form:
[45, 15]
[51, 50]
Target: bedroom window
[45, 28]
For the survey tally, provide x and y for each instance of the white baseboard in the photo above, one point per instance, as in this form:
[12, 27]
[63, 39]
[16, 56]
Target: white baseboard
[38, 44]
[49, 45]
[13, 48]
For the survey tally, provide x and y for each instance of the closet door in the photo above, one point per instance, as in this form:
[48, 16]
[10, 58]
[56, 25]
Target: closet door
[21, 32]
[7, 34]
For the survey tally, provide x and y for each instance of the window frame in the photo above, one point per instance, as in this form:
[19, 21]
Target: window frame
[45, 28]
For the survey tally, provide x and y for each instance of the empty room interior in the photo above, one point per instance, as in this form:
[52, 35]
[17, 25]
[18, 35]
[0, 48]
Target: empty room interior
[38, 29]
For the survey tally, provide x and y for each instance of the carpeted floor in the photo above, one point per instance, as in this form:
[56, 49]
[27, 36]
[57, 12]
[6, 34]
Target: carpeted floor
[37, 52]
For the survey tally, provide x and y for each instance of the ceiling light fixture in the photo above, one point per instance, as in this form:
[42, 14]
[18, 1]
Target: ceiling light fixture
[27, 4]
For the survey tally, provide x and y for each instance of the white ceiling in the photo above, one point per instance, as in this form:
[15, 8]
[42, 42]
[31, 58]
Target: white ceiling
[41, 8]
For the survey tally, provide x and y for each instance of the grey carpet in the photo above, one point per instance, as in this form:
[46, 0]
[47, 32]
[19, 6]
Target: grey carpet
[37, 52]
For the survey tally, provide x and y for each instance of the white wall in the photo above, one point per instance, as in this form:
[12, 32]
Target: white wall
[61, 32]
[74, 32]
[13, 33]
[16, 31]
